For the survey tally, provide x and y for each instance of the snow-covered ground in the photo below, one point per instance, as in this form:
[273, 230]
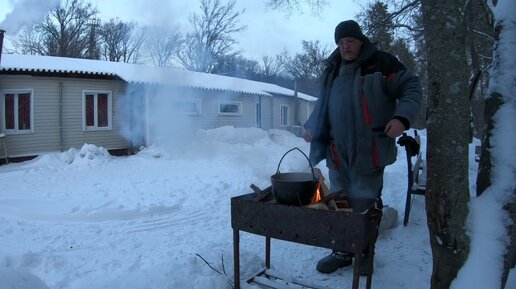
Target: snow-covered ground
[82, 219]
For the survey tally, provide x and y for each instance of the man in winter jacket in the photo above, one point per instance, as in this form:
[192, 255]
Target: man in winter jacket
[367, 99]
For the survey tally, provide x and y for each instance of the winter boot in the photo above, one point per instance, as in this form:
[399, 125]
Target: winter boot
[334, 261]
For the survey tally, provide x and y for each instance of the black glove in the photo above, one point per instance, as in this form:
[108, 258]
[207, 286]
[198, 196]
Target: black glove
[410, 144]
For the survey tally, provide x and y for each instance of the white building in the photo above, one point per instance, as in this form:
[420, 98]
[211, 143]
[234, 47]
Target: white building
[54, 103]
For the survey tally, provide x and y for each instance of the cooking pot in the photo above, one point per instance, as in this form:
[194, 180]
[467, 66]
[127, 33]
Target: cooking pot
[297, 188]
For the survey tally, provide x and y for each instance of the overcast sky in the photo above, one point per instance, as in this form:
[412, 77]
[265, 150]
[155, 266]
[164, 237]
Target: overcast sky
[268, 32]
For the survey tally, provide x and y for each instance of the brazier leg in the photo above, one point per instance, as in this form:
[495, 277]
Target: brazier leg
[236, 258]
[268, 252]
[356, 270]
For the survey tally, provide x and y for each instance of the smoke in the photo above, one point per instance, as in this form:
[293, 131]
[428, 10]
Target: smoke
[162, 13]
[130, 115]
[169, 118]
[163, 115]
[26, 13]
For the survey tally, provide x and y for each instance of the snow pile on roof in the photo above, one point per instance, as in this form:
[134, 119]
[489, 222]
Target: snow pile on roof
[138, 73]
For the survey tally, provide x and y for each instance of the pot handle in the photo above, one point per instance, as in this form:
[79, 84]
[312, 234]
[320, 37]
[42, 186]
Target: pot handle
[310, 163]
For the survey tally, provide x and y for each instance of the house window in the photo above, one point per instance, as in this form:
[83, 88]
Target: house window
[230, 108]
[97, 110]
[284, 118]
[258, 115]
[17, 111]
[188, 107]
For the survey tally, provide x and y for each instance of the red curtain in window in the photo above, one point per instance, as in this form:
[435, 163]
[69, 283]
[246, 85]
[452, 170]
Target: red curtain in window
[102, 112]
[90, 110]
[9, 111]
[24, 111]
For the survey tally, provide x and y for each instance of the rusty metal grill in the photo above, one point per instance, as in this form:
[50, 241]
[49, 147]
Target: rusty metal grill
[343, 231]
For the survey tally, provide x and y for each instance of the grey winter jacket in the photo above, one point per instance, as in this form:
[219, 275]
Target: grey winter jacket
[383, 90]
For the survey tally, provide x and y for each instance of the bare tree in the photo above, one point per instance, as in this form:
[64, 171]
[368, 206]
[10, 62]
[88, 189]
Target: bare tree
[162, 45]
[237, 66]
[212, 39]
[447, 191]
[29, 41]
[306, 67]
[64, 32]
[295, 6]
[121, 42]
[113, 33]
[133, 48]
[308, 64]
[270, 67]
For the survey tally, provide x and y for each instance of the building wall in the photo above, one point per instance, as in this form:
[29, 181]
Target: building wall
[304, 109]
[46, 132]
[166, 122]
[150, 117]
[45, 119]
[73, 133]
[211, 118]
[277, 103]
[267, 117]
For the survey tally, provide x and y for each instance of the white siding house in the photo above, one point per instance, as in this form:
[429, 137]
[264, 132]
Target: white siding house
[53, 103]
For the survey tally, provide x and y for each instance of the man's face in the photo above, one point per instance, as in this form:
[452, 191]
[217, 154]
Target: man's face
[350, 48]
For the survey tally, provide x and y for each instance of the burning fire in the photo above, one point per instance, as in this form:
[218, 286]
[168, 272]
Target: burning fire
[317, 196]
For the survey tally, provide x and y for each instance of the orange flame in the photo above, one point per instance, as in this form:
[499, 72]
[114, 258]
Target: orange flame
[317, 196]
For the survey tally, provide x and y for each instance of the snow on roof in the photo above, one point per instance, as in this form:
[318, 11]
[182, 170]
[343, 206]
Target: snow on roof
[138, 73]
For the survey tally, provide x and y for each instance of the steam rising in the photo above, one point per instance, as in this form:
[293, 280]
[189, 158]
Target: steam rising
[152, 114]
[26, 13]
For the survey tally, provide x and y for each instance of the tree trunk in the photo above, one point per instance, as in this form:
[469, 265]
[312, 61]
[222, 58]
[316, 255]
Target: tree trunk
[486, 177]
[492, 104]
[448, 123]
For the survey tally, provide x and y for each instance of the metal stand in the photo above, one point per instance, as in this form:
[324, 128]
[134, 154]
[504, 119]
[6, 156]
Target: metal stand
[414, 185]
[340, 231]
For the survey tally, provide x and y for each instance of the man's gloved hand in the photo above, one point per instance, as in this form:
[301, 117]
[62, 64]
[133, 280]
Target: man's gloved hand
[410, 144]
[394, 128]
[307, 135]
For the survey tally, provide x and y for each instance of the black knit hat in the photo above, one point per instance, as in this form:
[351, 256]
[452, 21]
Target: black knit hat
[348, 28]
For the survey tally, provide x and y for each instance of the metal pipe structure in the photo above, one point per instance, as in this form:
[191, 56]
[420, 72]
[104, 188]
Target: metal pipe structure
[1, 43]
